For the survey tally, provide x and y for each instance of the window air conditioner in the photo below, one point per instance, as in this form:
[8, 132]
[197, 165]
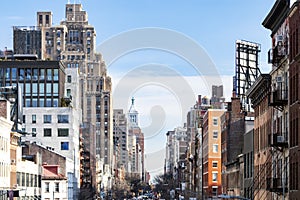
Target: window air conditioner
[279, 79]
[280, 139]
[279, 39]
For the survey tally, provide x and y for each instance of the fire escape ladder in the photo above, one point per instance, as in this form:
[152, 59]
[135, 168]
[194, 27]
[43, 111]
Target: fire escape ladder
[278, 182]
[264, 180]
[257, 179]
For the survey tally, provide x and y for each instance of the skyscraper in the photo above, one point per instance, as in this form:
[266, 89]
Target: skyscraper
[136, 143]
[121, 138]
[73, 43]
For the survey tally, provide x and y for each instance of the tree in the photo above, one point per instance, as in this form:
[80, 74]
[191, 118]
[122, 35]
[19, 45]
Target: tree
[164, 183]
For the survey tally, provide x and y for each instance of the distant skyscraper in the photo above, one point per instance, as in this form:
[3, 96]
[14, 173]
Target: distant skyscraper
[217, 98]
[27, 40]
[217, 91]
[133, 115]
[121, 138]
[136, 143]
[73, 42]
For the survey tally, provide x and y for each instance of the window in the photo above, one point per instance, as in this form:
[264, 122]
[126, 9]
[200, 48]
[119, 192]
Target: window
[48, 103]
[63, 118]
[27, 102]
[63, 132]
[28, 89]
[42, 102]
[40, 19]
[42, 89]
[49, 74]
[48, 89]
[47, 19]
[7, 75]
[33, 131]
[55, 102]
[42, 74]
[55, 89]
[24, 118]
[28, 74]
[13, 74]
[34, 89]
[69, 93]
[47, 187]
[88, 34]
[69, 79]
[215, 190]
[64, 145]
[215, 121]
[47, 132]
[215, 148]
[47, 119]
[215, 134]
[34, 102]
[55, 74]
[215, 176]
[35, 74]
[56, 187]
[215, 164]
[21, 74]
[23, 179]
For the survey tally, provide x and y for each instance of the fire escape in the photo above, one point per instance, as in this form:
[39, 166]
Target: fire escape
[278, 140]
[275, 176]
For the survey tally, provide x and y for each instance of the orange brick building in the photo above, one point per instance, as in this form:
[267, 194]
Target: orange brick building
[212, 152]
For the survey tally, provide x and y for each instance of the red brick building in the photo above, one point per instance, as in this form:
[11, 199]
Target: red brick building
[294, 97]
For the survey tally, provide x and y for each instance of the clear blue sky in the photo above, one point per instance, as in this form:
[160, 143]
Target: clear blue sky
[215, 25]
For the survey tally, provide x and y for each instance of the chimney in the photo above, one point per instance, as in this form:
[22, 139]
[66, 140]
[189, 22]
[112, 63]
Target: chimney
[199, 100]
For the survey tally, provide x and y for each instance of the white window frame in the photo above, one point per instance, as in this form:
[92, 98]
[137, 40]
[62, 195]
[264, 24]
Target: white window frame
[215, 145]
[212, 176]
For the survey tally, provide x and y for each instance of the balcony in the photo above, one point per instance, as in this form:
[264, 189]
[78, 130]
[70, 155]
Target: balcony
[278, 98]
[276, 185]
[276, 54]
[277, 140]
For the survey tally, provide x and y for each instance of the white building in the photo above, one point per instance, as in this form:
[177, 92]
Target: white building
[54, 184]
[57, 128]
[5, 128]
[176, 148]
[28, 173]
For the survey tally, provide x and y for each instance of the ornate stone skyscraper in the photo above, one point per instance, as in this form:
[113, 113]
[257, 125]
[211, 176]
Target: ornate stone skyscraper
[73, 42]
